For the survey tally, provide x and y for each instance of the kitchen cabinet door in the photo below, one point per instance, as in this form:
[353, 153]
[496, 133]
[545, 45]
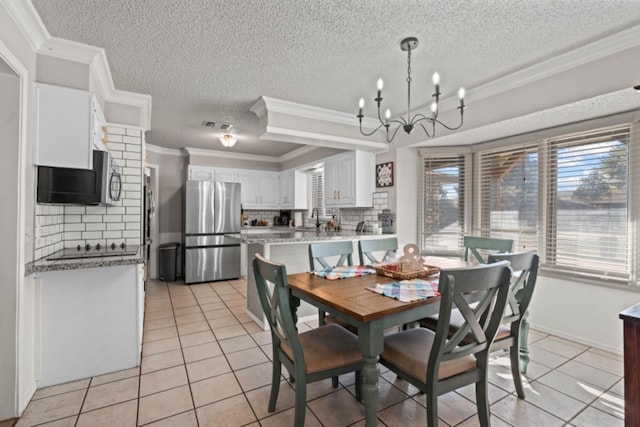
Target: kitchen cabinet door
[259, 189]
[286, 197]
[63, 127]
[226, 175]
[99, 128]
[201, 173]
[349, 180]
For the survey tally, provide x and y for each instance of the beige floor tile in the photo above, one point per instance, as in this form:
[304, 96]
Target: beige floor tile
[165, 379]
[159, 361]
[221, 313]
[618, 388]
[158, 304]
[501, 377]
[159, 323]
[452, 407]
[519, 412]
[52, 408]
[553, 401]
[315, 389]
[64, 422]
[207, 368]
[495, 393]
[115, 376]
[259, 399]
[589, 374]
[231, 345]
[158, 334]
[189, 318]
[111, 393]
[571, 386]
[61, 388]
[209, 299]
[475, 422]
[223, 322]
[121, 415]
[262, 337]
[231, 412]
[560, 346]
[214, 389]
[183, 311]
[407, 413]
[196, 339]
[229, 332]
[255, 376]
[400, 384]
[592, 417]
[251, 326]
[213, 306]
[164, 404]
[160, 346]
[545, 357]
[337, 409]
[602, 362]
[160, 314]
[245, 358]
[286, 418]
[202, 351]
[186, 419]
[192, 328]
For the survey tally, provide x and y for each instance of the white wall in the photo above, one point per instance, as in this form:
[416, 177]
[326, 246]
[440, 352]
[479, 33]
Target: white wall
[581, 312]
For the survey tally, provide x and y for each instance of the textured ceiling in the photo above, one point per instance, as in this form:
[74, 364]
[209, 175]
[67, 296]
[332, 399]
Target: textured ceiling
[212, 59]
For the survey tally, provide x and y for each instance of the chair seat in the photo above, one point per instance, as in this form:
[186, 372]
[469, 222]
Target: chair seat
[410, 350]
[327, 347]
[332, 319]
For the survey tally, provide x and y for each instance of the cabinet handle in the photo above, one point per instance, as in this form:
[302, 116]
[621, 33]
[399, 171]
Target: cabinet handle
[338, 194]
[334, 195]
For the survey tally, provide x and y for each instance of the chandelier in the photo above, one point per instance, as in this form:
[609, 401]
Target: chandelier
[410, 122]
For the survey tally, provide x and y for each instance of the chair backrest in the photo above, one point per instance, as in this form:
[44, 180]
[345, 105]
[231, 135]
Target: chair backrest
[474, 245]
[367, 247]
[318, 252]
[525, 272]
[489, 286]
[271, 281]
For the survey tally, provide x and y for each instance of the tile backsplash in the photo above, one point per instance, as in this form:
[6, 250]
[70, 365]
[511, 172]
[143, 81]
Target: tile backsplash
[60, 226]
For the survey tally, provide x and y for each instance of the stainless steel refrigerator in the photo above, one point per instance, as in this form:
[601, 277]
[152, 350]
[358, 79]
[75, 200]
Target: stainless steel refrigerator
[211, 211]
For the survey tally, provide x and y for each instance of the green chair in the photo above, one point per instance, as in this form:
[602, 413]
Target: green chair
[513, 331]
[473, 245]
[437, 363]
[319, 252]
[367, 247]
[311, 356]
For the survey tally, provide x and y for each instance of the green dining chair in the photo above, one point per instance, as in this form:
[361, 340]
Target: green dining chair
[319, 252]
[437, 363]
[310, 356]
[513, 330]
[473, 245]
[366, 249]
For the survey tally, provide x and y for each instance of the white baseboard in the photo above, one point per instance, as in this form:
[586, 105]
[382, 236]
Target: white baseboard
[577, 339]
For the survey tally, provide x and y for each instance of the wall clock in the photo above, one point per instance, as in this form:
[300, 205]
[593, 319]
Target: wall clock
[384, 174]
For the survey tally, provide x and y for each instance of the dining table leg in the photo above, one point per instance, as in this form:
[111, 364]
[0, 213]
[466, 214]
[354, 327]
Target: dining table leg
[523, 344]
[371, 342]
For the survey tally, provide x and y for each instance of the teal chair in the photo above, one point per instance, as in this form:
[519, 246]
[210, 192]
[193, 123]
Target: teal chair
[437, 363]
[314, 355]
[367, 247]
[319, 252]
[473, 245]
[513, 331]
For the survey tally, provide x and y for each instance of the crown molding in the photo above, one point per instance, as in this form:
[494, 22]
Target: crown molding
[164, 151]
[321, 139]
[28, 21]
[230, 155]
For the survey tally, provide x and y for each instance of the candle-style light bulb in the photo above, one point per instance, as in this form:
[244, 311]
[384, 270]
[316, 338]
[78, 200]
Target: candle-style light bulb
[387, 114]
[434, 107]
[436, 78]
[380, 86]
[361, 105]
[461, 93]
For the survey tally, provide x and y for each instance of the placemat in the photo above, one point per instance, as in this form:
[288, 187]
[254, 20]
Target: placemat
[407, 290]
[344, 272]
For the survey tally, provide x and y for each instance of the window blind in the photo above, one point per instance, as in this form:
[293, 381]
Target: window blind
[443, 205]
[317, 195]
[508, 195]
[588, 209]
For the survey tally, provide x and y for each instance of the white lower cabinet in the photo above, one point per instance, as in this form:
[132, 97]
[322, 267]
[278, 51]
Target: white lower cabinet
[90, 322]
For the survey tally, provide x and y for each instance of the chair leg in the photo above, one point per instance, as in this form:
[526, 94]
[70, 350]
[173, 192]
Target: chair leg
[482, 391]
[432, 408]
[514, 357]
[523, 344]
[301, 402]
[359, 386]
[275, 384]
[334, 382]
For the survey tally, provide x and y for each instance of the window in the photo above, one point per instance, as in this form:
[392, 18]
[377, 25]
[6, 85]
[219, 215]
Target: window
[443, 204]
[508, 195]
[316, 183]
[569, 197]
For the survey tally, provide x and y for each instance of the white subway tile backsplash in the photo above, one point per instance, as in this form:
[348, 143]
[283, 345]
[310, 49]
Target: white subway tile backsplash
[98, 226]
[131, 218]
[134, 132]
[131, 187]
[91, 218]
[131, 171]
[72, 218]
[116, 155]
[131, 202]
[115, 130]
[92, 235]
[115, 226]
[133, 226]
[77, 226]
[131, 234]
[133, 210]
[132, 194]
[95, 210]
[134, 148]
[115, 146]
[117, 210]
[112, 234]
[130, 155]
[71, 235]
[132, 179]
[112, 218]
[74, 210]
[134, 164]
[131, 141]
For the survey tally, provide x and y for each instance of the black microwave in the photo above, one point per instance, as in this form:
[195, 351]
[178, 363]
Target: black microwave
[98, 186]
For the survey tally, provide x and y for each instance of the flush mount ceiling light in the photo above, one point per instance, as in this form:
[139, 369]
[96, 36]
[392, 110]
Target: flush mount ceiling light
[410, 122]
[228, 140]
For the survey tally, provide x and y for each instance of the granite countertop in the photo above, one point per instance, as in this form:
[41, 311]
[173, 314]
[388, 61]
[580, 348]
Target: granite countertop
[74, 264]
[302, 235]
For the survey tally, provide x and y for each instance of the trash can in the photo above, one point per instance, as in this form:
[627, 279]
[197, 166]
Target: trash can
[168, 260]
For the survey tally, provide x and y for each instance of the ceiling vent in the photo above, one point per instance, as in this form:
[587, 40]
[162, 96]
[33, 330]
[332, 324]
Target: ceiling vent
[208, 124]
[225, 127]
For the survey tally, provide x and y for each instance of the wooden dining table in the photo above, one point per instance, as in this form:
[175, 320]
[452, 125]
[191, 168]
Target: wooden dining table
[372, 313]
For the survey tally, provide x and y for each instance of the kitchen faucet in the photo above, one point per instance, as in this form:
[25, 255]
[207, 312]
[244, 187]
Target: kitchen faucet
[315, 210]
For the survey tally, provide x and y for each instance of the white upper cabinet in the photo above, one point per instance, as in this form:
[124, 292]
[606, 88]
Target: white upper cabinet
[259, 189]
[208, 173]
[68, 124]
[349, 179]
[293, 190]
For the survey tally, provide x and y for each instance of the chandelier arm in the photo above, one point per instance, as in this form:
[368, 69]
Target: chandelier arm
[401, 121]
[393, 135]
[426, 131]
[420, 117]
[451, 128]
[372, 132]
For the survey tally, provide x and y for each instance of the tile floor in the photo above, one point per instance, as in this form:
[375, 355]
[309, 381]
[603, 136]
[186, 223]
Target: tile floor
[205, 363]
